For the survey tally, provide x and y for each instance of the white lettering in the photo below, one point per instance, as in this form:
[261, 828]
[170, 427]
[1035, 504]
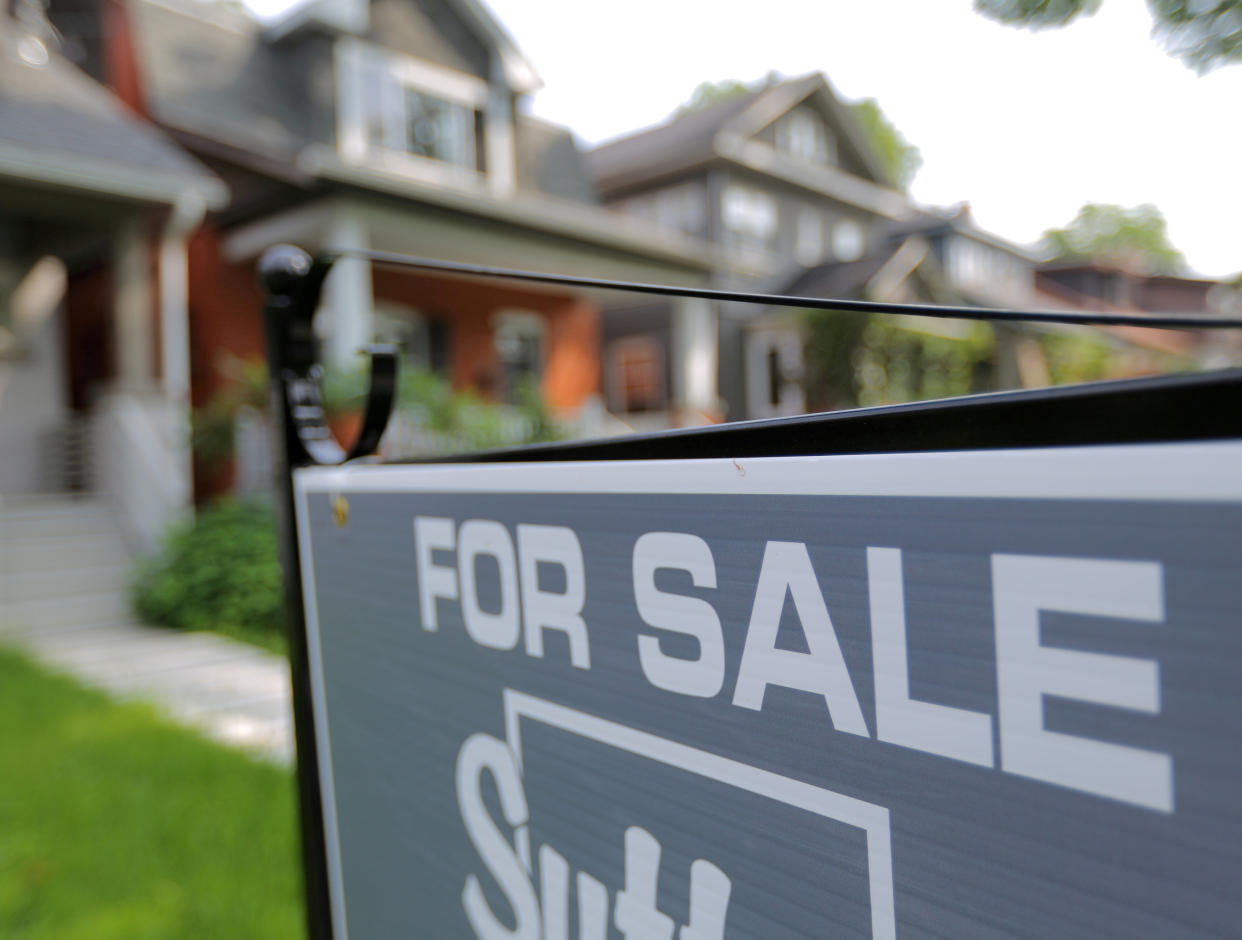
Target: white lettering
[498, 631]
[938, 729]
[1026, 671]
[702, 677]
[709, 901]
[786, 569]
[636, 914]
[434, 580]
[479, 753]
[549, 610]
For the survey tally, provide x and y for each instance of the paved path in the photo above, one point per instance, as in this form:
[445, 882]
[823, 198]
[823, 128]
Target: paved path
[63, 576]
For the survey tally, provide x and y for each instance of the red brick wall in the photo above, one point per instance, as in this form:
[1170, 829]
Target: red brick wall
[571, 365]
[572, 371]
[226, 316]
[120, 63]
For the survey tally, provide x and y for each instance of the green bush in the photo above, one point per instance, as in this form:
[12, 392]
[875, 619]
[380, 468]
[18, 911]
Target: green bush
[220, 572]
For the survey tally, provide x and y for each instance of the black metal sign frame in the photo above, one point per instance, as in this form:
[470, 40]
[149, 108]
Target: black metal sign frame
[1182, 408]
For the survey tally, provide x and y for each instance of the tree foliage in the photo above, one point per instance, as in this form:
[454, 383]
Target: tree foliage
[1136, 238]
[865, 359]
[1202, 34]
[1036, 14]
[709, 94]
[899, 158]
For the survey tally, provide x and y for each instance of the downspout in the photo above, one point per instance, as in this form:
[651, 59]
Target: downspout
[174, 280]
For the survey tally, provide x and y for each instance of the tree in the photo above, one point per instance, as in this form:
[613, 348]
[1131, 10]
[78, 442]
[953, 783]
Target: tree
[1202, 34]
[1136, 238]
[708, 94]
[899, 158]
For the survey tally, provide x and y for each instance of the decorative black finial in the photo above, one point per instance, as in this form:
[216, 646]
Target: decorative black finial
[293, 282]
[283, 269]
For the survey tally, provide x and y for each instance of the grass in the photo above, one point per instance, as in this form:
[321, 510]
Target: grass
[116, 824]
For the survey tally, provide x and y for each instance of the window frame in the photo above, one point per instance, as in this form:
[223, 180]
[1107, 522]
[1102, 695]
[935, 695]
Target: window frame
[357, 63]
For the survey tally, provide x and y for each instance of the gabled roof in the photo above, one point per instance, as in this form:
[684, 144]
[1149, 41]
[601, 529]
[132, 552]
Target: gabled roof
[723, 131]
[549, 161]
[959, 221]
[519, 73]
[352, 16]
[678, 144]
[59, 128]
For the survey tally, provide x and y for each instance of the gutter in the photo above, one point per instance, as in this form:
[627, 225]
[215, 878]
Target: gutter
[556, 217]
[39, 165]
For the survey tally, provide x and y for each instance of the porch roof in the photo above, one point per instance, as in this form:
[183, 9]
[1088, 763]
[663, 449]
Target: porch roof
[61, 130]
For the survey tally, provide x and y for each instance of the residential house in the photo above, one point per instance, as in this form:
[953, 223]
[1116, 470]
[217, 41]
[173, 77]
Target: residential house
[96, 206]
[776, 181]
[388, 125]
[1128, 286]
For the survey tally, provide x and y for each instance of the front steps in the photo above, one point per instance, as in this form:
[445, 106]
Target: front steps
[64, 597]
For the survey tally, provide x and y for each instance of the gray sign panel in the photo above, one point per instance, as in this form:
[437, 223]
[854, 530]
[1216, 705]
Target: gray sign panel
[937, 695]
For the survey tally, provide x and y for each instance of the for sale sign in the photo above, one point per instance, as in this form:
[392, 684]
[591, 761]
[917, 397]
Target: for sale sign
[941, 694]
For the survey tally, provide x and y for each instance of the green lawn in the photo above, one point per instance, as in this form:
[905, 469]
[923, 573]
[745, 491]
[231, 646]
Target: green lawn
[117, 824]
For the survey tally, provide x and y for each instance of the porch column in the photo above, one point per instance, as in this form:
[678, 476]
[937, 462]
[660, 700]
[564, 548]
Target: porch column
[174, 283]
[347, 295]
[133, 305]
[499, 157]
[695, 354]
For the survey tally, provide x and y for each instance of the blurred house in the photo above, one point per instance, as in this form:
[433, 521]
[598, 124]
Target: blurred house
[776, 181]
[96, 206]
[783, 185]
[1129, 287]
[1115, 286]
[390, 125]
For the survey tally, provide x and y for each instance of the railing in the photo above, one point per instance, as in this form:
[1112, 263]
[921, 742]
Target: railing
[140, 464]
[411, 435]
[66, 460]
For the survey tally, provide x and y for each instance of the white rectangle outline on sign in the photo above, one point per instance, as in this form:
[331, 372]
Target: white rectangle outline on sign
[1195, 472]
[869, 817]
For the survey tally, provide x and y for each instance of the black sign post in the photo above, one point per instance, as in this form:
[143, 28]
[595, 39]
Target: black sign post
[949, 669]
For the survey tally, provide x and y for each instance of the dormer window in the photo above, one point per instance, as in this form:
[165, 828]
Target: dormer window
[395, 110]
[803, 135]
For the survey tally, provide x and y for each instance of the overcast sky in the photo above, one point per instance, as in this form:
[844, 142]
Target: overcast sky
[1025, 126]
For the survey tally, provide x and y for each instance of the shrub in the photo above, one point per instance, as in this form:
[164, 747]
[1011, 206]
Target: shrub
[220, 572]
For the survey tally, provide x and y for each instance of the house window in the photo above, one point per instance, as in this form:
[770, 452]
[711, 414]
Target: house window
[393, 106]
[749, 219]
[635, 370]
[519, 338]
[809, 238]
[406, 329]
[804, 136]
[849, 241]
[675, 208]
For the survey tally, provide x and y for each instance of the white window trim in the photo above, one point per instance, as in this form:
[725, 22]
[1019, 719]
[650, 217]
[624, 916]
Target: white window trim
[459, 88]
[525, 324]
[787, 344]
[745, 240]
[395, 312]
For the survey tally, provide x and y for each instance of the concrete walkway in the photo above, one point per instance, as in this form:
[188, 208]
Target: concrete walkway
[64, 572]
